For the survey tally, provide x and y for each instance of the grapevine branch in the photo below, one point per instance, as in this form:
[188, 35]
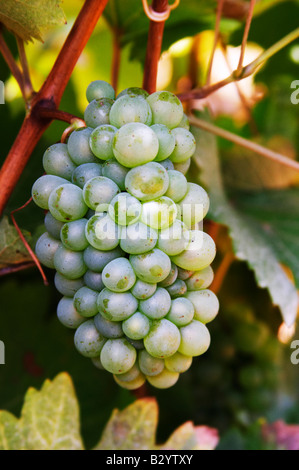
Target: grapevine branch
[216, 38]
[245, 35]
[49, 96]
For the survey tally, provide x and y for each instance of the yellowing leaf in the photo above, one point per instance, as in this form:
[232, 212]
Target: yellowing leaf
[12, 249]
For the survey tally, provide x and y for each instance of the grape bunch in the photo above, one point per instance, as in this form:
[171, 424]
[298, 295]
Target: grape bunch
[122, 234]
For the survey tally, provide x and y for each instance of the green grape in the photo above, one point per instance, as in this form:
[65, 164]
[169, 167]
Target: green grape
[118, 356]
[184, 145]
[43, 187]
[178, 363]
[177, 289]
[131, 374]
[138, 238]
[200, 279]
[97, 363]
[130, 108]
[184, 274]
[109, 329]
[206, 305]
[174, 239]
[96, 260]
[88, 341]
[101, 232]
[93, 280]
[132, 385]
[163, 339]
[45, 249]
[67, 287]
[72, 235]
[137, 326]
[157, 306]
[166, 141]
[124, 209]
[171, 277]
[52, 225]
[143, 290]
[147, 182]
[116, 306]
[199, 254]
[160, 213]
[137, 343]
[182, 167]
[148, 364]
[85, 302]
[101, 141]
[56, 161]
[86, 172]
[66, 203]
[167, 164]
[97, 112]
[195, 339]
[78, 146]
[178, 186]
[99, 89]
[67, 314]
[98, 191]
[133, 91]
[165, 379]
[118, 275]
[69, 263]
[184, 122]
[195, 205]
[151, 267]
[135, 144]
[116, 172]
[166, 107]
[181, 311]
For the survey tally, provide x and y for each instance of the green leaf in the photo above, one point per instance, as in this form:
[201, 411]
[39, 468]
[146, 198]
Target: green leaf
[190, 437]
[29, 19]
[49, 419]
[251, 242]
[12, 249]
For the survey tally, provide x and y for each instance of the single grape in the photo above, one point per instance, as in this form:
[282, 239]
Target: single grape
[124, 209]
[167, 164]
[181, 311]
[184, 274]
[143, 290]
[178, 363]
[160, 213]
[182, 167]
[69, 263]
[67, 314]
[88, 341]
[85, 302]
[98, 191]
[151, 267]
[177, 187]
[109, 329]
[184, 122]
[195, 205]
[137, 343]
[177, 289]
[45, 249]
[135, 144]
[163, 339]
[116, 306]
[157, 306]
[72, 235]
[78, 146]
[93, 280]
[166, 141]
[102, 233]
[147, 182]
[67, 287]
[166, 107]
[184, 145]
[138, 238]
[206, 305]
[171, 277]
[66, 203]
[200, 279]
[116, 172]
[118, 356]
[118, 275]
[99, 89]
[174, 239]
[130, 108]
[195, 339]
[56, 161]
[133, 91]
[43, 187]
[137, 326]
[131, 374]
[101, 141]
[96, 260]
[52, 225]
[133, 384]
[165, 379]
[85, 172]
[97, 363]
[97, 112]
[148, 364]
[199, 254]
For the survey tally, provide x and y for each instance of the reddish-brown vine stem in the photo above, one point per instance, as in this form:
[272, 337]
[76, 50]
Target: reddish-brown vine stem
[51, 93]
[58, 115]
[12, 65]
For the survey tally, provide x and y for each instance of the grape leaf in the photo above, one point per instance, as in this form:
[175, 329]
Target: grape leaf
[253, 242]
[12, 249]
[190, 437]
[49, 419]
[29, 19]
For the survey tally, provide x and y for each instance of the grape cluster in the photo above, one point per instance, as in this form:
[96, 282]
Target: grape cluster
[122, 234]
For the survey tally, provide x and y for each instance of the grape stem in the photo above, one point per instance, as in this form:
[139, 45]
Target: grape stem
[245, 35]
[221, 272]
[50, 94]
[216, 38]
[12, 65]
[50, 113]
[16, 268]
[28, 88]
